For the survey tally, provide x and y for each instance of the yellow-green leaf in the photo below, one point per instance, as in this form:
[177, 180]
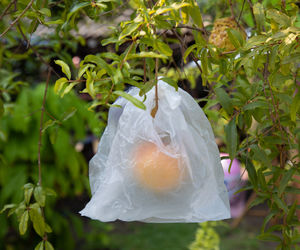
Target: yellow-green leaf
[59, 84]
[65, 68]
[48, 246]
[39, 196]
[130, 98]
[40, 246]
[23, 222]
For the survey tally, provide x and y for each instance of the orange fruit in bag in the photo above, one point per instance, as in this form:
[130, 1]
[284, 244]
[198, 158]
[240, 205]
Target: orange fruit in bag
[156, 170]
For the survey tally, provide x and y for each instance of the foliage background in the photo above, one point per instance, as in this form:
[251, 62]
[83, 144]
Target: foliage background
[251, 96]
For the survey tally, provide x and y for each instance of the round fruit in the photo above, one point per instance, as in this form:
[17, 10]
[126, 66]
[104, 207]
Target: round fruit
[219, 36]
[156, 170]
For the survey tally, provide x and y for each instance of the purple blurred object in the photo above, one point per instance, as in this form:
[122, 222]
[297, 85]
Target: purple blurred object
[233, 183]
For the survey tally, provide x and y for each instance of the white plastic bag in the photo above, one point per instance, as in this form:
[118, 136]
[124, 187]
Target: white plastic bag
[162, 169]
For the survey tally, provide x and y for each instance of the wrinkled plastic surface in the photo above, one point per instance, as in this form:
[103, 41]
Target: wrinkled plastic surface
[180, 130]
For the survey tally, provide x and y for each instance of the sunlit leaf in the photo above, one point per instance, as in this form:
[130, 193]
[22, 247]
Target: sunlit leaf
[130, 98]
[65, 68]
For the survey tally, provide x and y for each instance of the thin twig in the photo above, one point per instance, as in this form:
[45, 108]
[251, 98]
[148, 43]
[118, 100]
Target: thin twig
[182, 26]
[41, 127]
[283, 4]
[241, 12]
[252, 12]
[17, 19]
[231, 9]
[128, 52]
[184, 46]
[7, 8]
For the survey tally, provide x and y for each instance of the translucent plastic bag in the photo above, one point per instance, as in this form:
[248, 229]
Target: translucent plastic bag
[162, 169]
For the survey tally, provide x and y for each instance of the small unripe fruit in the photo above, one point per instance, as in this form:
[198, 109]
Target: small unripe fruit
[156, 170]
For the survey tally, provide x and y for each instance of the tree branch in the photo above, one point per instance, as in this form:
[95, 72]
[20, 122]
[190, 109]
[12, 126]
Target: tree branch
[204, 31]
[41, 127]
[17, 19]
[241, 12]
[7, 8]
[184, 46]
[252, 12]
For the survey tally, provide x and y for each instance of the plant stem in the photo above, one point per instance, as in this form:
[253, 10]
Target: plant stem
[17, 19]
[231, 9]
[204, 31]
[41, 127]
[252, 13]
[7, 8]
[241, 11]
[184, 47]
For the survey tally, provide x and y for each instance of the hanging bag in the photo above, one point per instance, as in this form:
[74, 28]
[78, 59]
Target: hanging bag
[162, 169]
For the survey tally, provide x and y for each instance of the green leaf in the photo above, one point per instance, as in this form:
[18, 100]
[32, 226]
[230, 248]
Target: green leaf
[163, 48]
[269, 237]
[48, 229]
[48, 246]
[196, 14]
[58, 21]
[224, 100]
[27, 194]
[7, 206]
[48, 124]
[292, 58]
[129, 29]
[59, 84]
[109, 40]
[77, 7]
[100, 62]
[256, 104]
[291, 213]
[174, 6]
[257, 201]
[262, 179]
[188, 51]
[49, 192]
[90, 85]
[23, 222]
[231, 138]
[171, 82]
[252, 173]
[40, 246]
[83, 69]
[267, 219]
[37, 219]
[279, 17]
[130, 98]
[39, 196]
[144, 54]
[295, 106]
[68, 88]
[258, 11]
[285, 180]
[235, 37]
[65, 68]
[280, 203]
[46, 12]
[69, 114]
